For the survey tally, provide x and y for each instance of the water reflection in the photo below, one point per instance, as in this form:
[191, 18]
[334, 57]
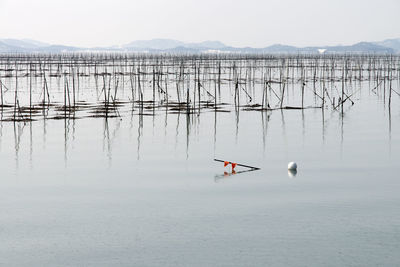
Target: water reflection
[208, 132]
[108, 138]
[140, 133]
[264, 122]
[18, 131]
[30, 145]
[226, 175]
[187, 134]
[390, 124]
[292, 173]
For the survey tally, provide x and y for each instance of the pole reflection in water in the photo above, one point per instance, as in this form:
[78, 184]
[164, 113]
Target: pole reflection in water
[66, 136]
[30, 145]
[106, 142]
[18, 131]
[209, 128]
[187, 133]
[215, 131]
[264, 124]
[139, 134]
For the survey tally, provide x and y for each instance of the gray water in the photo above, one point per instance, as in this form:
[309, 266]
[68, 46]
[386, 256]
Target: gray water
[97, 192]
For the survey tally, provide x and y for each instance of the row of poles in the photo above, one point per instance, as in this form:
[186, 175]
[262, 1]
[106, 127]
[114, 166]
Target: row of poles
[188, 81]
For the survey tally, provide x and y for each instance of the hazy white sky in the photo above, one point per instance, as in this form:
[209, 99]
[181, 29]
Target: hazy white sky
[254, 23]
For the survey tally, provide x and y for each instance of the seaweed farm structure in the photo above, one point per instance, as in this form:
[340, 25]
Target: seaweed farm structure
[60, 86]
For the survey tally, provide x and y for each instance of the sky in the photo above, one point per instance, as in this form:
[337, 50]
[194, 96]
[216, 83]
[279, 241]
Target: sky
[254, 23]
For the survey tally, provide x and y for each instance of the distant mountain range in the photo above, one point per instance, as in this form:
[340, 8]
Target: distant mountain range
[390, 46]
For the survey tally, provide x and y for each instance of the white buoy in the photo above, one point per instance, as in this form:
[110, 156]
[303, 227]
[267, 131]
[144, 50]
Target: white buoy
[292, 166]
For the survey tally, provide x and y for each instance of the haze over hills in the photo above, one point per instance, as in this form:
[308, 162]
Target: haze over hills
[391, 43]
[389, 46]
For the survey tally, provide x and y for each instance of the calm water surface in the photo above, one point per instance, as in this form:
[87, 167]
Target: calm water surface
[146, 192]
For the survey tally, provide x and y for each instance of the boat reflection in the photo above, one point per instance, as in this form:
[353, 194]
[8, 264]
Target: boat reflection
[225, 175]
